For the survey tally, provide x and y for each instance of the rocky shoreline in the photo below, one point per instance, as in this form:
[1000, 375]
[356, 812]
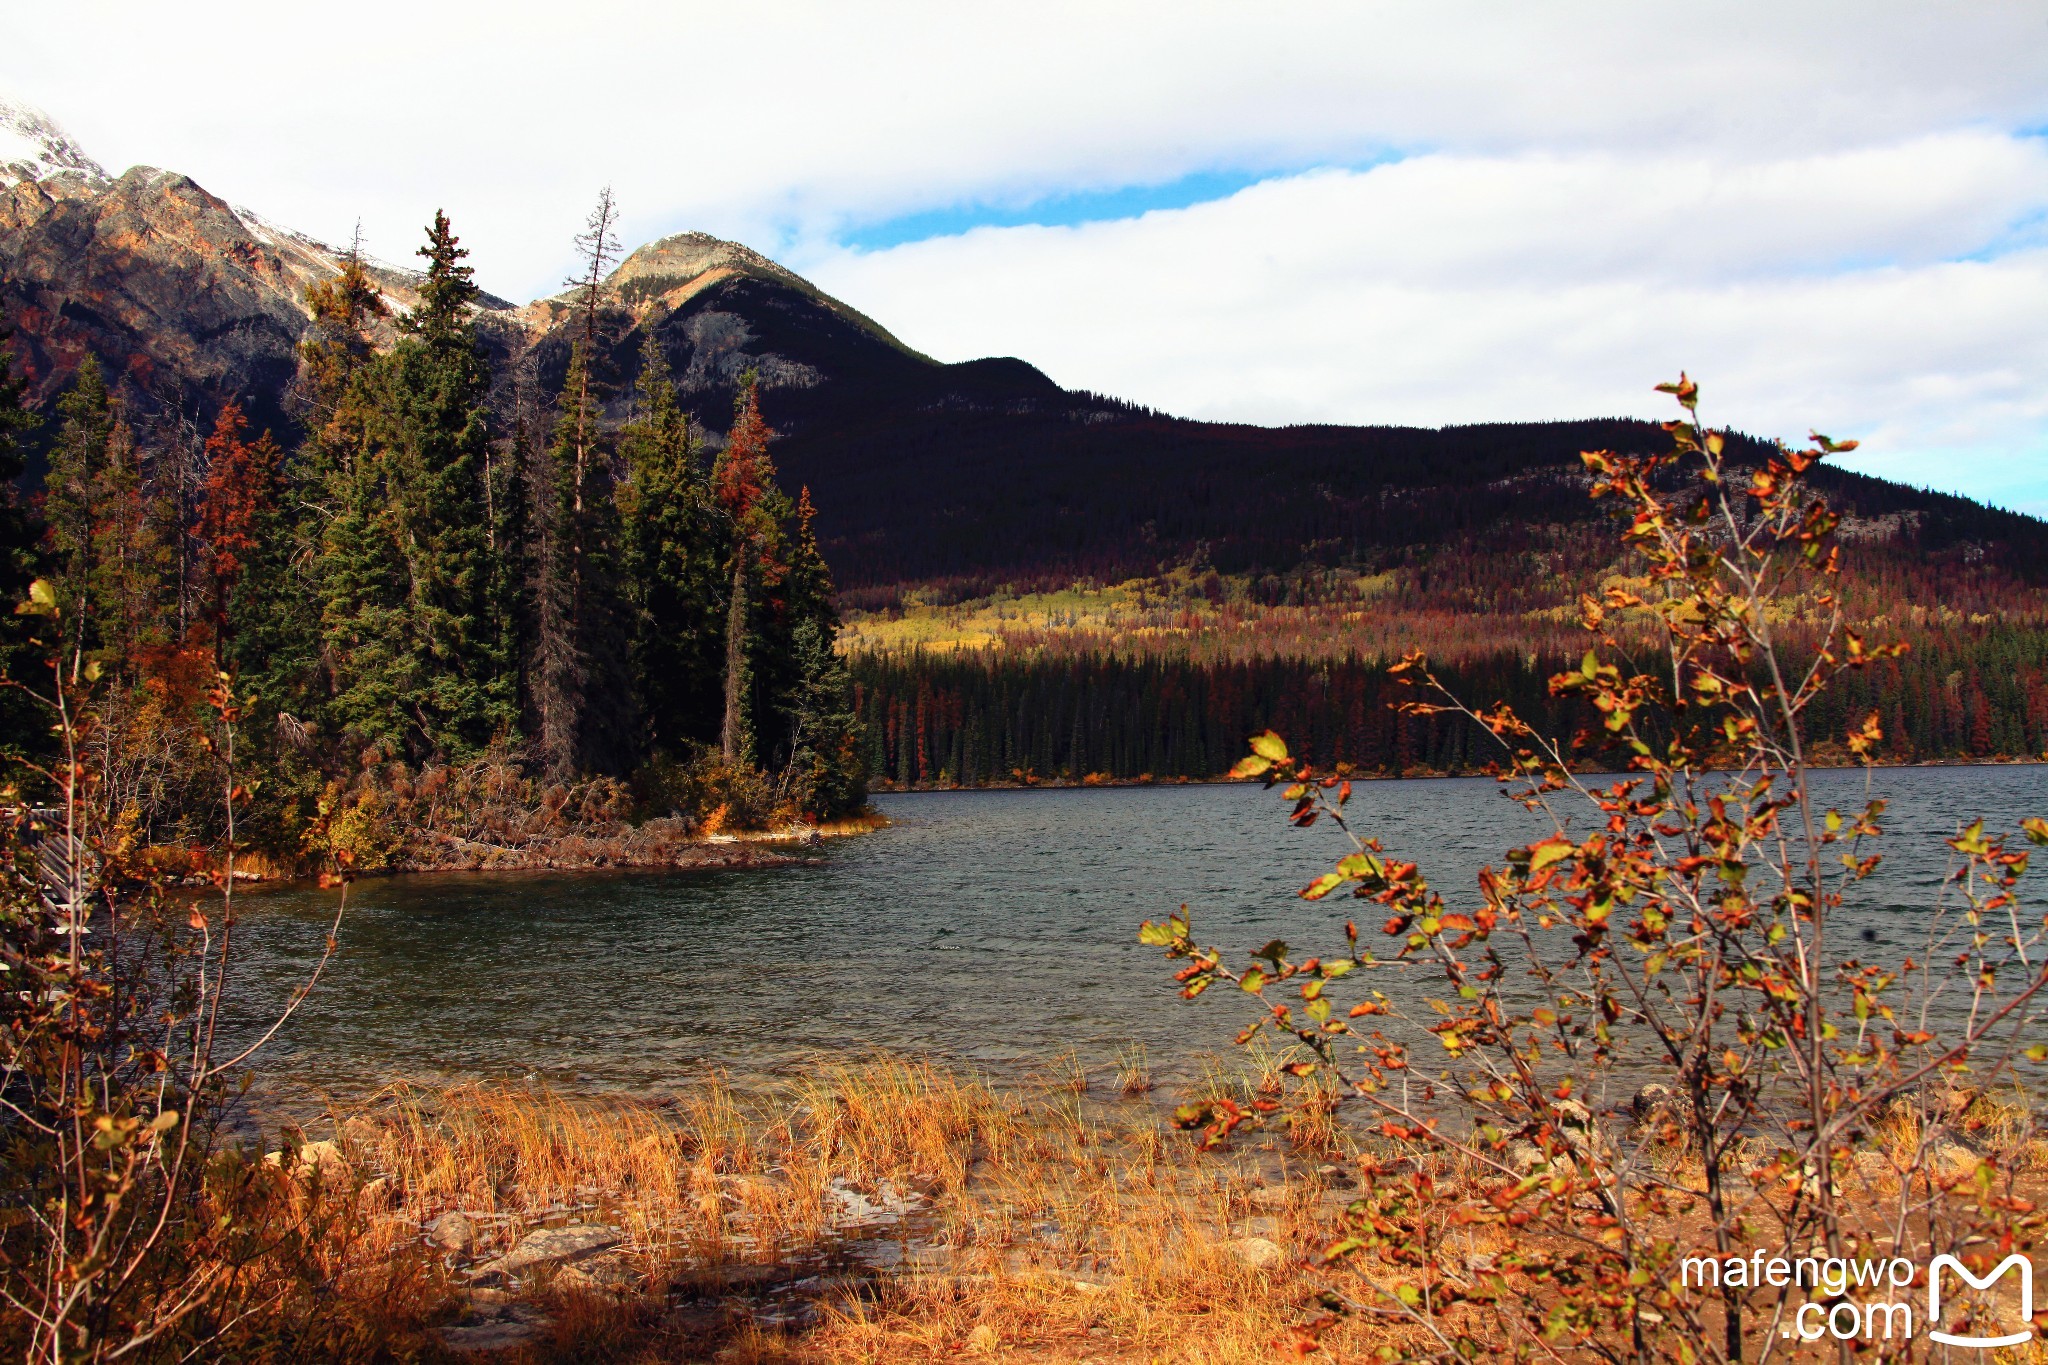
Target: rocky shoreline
[669, 843]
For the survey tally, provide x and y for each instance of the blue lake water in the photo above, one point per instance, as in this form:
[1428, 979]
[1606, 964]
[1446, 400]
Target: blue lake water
[995, 928]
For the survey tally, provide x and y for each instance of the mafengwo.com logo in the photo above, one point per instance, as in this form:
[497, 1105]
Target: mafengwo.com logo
[2024, 1316]
[2002, 1315]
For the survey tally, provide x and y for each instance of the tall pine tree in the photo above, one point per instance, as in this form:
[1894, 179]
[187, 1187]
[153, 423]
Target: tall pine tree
[20, 724]
[78, 461]
[583, 694]
[742, 481]
[827, 773]
[671, 560]
[420, 668]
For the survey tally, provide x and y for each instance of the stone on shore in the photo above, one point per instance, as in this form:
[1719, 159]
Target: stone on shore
[552, 1246]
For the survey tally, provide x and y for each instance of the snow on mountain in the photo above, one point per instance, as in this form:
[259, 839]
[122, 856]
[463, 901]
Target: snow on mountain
[33, 147]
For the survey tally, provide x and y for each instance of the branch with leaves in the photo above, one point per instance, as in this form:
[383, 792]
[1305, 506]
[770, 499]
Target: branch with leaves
[1674, 940]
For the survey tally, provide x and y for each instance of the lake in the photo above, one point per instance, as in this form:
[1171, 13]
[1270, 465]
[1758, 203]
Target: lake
[993, 928]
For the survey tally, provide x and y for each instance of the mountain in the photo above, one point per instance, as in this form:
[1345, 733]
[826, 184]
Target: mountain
[956, 476]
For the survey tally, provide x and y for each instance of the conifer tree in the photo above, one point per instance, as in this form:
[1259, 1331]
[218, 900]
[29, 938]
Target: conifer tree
[17, 530]
[741, 481]
[332, 558]
[827, 771]
[86, 422]
[242, 534]
[560, 674]
[439, 683]
[507, 527]
[446, 382]
[360, 579]
[671, 565]
[336, 348]
[20, 725]
[583, 694]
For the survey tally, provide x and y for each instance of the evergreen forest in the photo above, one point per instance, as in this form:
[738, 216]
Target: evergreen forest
[431, 600]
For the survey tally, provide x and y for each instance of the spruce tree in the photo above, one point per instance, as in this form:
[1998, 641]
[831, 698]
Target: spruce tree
[559, 669]
[671, 557]
[431, 436]
[21, 727]
[361, 582]
[323, 576]
[86, 422]
[742, 480]
[827, 772]
[264, 625]
[336, 348]
[583, 694]
[439, 682]
[17, 528]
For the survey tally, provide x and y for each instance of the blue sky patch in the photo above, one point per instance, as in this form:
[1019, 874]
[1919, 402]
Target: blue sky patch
[1062, 210]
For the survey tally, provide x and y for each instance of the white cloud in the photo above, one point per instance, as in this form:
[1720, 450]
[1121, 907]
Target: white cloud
[792, 119]
[1456, 289]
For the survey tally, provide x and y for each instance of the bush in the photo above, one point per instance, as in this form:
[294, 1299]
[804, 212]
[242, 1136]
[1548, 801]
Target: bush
[714, 795]
[1677, 925]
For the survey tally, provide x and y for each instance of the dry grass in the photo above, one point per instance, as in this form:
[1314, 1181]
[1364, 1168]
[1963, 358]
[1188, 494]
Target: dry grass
[1133, 1072]
[1027, 1224]
[884, 1211]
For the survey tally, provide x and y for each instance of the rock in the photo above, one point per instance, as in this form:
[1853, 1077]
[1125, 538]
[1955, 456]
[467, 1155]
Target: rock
[876, 1253]
[1256, 1253]
[322, 1159]
[1953, 1161]
[551, 1246]
[753, 1189]
[453, 1231]
[850, 1208]
[591, 1278]
[1659, 1107]
[751, 1276]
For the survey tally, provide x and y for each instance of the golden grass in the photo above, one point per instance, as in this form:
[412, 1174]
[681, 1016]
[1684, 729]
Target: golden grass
[1041, 1224]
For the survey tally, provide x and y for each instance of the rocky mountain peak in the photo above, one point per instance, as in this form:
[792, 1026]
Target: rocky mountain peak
[33, 147]
[688, 256]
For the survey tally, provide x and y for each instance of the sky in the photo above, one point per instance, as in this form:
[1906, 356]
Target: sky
[1835, 216]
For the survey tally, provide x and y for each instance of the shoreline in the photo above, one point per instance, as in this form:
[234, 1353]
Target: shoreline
[1100, 782]
[654, 846]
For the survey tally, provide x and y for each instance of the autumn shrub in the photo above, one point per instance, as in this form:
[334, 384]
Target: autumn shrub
[124, 1219]
[717, 795]
[1654, 1043]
